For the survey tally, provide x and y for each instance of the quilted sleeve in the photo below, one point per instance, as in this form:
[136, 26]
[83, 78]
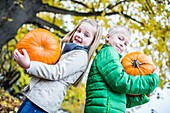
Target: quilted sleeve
[133, 101]
[113, 73]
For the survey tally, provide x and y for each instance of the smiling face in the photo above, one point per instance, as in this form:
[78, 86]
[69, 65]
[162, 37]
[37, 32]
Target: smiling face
[118, 40]
[84, 35]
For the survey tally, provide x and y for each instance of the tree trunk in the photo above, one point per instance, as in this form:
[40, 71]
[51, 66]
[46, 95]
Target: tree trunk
[15, 16]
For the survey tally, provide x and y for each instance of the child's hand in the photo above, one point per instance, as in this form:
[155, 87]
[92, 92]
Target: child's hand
[153, 93]
[22, 60]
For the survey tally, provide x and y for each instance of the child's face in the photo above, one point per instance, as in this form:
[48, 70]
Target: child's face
[119, 41]
[84, 34]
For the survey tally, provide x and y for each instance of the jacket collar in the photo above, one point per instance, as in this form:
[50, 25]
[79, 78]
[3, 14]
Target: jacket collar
[72, 46]
[107, 45]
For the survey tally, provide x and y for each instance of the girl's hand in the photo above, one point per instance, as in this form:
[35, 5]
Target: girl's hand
[22, 60]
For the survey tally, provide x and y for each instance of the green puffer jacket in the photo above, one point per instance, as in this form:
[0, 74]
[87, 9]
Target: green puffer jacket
[108, 84]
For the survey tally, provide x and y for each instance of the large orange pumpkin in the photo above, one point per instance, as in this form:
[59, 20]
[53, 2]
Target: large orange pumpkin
[137, 63]
[41, 45]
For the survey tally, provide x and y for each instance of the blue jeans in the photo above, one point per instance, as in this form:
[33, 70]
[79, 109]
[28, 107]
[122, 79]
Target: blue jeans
[29, 107]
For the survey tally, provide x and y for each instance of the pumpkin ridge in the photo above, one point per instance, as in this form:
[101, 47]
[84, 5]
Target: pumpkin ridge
[137, 57]
[37, 39]
[145, 68]
[41, 45]
[51, 60]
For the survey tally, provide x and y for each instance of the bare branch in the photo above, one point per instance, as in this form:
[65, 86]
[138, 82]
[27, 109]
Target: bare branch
[75, 13]
[149, 8]
[125, 15]
[52, 9]
[129, 17]
[41, 22]
[75, 1]
[110, 6]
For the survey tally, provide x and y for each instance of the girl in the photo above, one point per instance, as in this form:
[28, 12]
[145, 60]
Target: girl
[48, 84]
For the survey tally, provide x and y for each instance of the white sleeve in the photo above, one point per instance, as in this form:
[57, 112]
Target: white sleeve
[71, 64]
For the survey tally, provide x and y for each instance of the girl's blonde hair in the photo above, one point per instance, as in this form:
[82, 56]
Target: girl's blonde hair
[120, 29]
[95, 43]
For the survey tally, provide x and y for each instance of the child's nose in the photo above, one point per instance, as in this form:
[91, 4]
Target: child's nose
[81, 35]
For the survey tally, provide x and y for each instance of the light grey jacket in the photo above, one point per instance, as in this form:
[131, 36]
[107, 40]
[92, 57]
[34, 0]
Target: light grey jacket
[48, 84]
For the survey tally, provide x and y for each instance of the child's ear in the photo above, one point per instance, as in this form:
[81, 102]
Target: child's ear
[107, 37]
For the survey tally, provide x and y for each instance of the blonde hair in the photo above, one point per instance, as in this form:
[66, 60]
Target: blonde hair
[95, 43]
[120, 29]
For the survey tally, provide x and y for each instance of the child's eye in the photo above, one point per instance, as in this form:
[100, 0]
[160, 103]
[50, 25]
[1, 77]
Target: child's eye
[126, 43]
[120, 38]
[86, 35]
[78, 30]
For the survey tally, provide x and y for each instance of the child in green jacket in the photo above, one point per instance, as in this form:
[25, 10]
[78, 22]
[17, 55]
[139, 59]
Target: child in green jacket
[108, 84]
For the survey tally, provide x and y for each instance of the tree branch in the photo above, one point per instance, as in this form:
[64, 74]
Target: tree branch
[125, 15]
[52, 9]
[41, 22]
[149, 8]
[75, 1]
[75, 13]
[129, 17]
[110, 6]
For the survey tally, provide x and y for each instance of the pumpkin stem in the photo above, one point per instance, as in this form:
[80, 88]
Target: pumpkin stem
[135, 63]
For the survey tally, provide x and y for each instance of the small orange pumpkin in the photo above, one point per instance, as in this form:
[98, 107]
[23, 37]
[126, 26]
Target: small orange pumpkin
[41, 45]
[137, 63]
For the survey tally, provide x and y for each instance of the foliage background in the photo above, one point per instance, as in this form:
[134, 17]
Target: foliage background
[149, 20]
